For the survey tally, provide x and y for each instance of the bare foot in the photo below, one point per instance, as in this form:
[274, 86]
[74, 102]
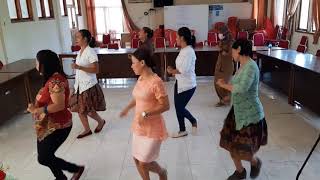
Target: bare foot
[164, 174]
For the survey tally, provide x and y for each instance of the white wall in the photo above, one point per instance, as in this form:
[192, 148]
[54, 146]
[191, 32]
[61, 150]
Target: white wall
[25, 39]
[136, 11]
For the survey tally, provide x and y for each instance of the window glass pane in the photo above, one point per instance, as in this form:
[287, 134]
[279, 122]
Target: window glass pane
[12, 9]
[62, 8]
[69, 2]
[74, 21]
[70, 18]
[101, 25]
[24, 9]
[108, 3]
[304, 14]
[115, 20]
[47, 8]
[279, 12]
[314, 27]
[38, 8]
[76, 6]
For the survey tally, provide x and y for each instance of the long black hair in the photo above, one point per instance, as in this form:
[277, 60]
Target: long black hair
[187, 35]
[148, 31]
[49, 64]
[90, 40]
[144, 54]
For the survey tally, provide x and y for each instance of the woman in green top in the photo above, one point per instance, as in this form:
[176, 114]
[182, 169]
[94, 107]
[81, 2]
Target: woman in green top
[245, 128]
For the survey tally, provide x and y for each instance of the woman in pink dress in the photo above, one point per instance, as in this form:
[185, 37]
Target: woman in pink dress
[150, 100]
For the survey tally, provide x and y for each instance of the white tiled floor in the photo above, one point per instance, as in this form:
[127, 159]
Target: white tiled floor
[107, 155]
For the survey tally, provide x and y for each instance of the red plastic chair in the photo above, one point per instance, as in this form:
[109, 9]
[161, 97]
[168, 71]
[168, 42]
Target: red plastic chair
[243, 35]
[160, 42]
[318, 53]
[75, 48]
[232, 25]
[302, 48]
[304, 40]
[258, 39]
[173, 39]
[284, 33]
[217, 26]
[199, 44]
[113, 46]
[1, 65]
[135, 43]
[106, 39]
[284, 44]
[212, 39]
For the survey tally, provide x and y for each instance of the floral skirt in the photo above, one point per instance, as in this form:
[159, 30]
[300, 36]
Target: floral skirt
[91, 100]
[245, 143]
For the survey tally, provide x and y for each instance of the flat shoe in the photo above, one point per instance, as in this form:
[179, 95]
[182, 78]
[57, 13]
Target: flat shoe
[84, 135]
[97, 130]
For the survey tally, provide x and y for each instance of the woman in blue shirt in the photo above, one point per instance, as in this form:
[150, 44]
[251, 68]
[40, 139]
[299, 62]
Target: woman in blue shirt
[245, 128]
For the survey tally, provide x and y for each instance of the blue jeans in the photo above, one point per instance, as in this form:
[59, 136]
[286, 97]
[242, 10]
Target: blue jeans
[180, 101]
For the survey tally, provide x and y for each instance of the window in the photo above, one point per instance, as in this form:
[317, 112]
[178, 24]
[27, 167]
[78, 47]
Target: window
[304, 15]
[44, 9]
[109, 17]
[305, 23]
[20, 10]
[76, 4]
[280, 12]
[63, 8]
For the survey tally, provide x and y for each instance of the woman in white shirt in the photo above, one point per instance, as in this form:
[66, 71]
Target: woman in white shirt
[90, 98]
[185, 79]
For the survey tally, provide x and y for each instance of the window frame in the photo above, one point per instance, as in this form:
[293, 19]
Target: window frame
[309, 29]
[43, 10]
[79, 7]
[65, 8]
[19, 12]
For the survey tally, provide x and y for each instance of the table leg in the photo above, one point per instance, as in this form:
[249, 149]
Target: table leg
[291, 85]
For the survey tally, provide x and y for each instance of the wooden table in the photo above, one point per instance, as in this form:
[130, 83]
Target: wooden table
[32, 79]
[13, 95]
[115, 63]
[293, 73]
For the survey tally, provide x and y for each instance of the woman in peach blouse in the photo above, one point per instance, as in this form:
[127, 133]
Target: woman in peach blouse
[150, 101]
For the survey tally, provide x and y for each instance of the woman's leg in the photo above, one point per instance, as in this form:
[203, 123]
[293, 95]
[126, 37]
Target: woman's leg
[179, 110]
[139, 168]
[94, 115]
[184, 99]
[84, 120]
[156, 168]
[46, 153]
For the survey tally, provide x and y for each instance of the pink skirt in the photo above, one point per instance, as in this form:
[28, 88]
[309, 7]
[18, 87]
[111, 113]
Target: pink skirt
[145, 149]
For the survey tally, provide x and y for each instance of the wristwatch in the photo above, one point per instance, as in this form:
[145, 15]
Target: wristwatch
[144, 114]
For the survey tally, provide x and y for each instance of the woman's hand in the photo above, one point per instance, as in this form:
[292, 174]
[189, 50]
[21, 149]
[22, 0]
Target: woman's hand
[33, 110]
[75, 66]
[124, 113]
[170, 70]
[221, 82]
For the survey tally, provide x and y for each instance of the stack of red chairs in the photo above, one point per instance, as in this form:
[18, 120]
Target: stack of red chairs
[217, 26]
[318, 53]
[302, 47]
[135, 42]
[258, 39]
[1, 64]
[160, 42]
[106, 39]
[232, 25]
[212, 39]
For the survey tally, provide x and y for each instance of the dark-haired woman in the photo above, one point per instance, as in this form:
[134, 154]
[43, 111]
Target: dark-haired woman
[150, 100]
[185, 85]
[245, 128]
[52, 117]
[224, 67]
[145, 36]
[90, 98]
